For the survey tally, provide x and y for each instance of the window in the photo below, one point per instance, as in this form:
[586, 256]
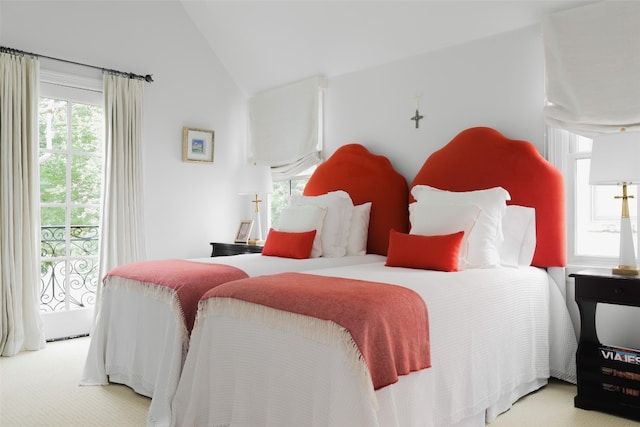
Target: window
[286, 130]
[71, 146]
[593, 212]
[282, 192]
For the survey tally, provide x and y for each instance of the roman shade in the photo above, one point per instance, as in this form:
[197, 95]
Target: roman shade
[592, 65]
[284, 127]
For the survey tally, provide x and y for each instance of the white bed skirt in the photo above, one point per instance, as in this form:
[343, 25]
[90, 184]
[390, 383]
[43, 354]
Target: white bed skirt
[245, 372]
[250, 381]
[140, 339]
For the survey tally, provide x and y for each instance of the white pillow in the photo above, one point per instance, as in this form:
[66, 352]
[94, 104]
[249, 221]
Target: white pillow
[440, 219]
[486, 237]
[519, 230]
[359, 229]
[304, 218]
[335, 229]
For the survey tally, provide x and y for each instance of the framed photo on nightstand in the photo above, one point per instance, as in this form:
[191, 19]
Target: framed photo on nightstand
[244, 231]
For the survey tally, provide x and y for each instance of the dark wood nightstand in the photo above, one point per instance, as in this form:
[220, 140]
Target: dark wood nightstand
[225, 249]
[608, 377]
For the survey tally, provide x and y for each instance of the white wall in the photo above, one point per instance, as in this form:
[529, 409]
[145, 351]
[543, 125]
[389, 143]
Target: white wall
[187, 204]
[496, 82]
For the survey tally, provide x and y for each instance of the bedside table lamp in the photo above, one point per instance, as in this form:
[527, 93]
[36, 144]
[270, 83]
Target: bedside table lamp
[256, 180]
[615, 160]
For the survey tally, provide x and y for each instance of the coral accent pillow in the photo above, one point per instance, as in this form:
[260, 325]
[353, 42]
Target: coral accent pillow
[424, 252]
[289, 245]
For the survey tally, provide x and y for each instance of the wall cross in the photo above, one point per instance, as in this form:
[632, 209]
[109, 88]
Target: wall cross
[417, 119]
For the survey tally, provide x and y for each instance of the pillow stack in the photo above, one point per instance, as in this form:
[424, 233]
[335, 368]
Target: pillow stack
[300, 219]
[478, 213]
[340, 227]
[490, 233]
[334, 233]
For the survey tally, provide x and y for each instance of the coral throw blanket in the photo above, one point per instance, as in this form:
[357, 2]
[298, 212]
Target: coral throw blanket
[188, 280]
[388, 323]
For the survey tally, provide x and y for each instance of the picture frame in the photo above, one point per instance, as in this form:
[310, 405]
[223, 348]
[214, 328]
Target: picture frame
[244, 231]
[197, 145]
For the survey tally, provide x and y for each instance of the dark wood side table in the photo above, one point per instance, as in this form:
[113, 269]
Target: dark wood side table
[225, 249]
[608, 377]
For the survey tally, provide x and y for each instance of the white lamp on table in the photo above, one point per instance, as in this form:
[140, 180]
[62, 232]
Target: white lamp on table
[615, 160]
[256, 180]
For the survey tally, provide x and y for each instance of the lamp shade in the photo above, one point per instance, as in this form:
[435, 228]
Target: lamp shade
[255, 179]
[615, 159]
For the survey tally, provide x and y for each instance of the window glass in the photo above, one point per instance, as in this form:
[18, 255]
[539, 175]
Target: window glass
[583, 144]
[52, 125]
[86, 178]
[71, 161]
[53, 185]
[86, 127]
[282, 192]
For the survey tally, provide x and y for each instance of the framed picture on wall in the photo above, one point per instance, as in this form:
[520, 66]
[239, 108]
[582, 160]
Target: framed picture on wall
[244, 231]
[197, 145]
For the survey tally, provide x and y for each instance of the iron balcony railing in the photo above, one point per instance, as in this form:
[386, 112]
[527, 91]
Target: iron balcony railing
[68, 278]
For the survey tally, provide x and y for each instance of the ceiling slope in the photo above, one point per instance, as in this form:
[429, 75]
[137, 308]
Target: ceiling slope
[265, 44]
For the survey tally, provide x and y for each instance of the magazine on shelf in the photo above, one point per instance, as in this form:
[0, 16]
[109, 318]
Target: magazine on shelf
[619, 389]
[620, 354]
[620, 373]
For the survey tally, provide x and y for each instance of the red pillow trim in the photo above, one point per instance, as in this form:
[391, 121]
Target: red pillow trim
[424, 252]
[287, 244]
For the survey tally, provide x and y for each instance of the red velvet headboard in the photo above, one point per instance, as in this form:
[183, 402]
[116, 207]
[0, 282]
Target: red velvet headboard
[367, 178]
[481, 157]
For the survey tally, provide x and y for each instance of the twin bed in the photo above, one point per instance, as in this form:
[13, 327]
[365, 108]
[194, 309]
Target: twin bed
[489, 333]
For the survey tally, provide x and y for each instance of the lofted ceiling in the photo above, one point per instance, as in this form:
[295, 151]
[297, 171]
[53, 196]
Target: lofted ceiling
[265, 44]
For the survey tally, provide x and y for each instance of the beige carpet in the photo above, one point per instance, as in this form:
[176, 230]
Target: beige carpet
[41, 389]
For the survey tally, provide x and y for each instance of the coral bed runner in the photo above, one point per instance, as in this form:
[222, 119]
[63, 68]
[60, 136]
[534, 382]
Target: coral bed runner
[388, 323]
[188, 280]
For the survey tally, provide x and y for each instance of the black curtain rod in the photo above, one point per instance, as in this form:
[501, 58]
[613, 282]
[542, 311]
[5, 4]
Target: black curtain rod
[147, 78]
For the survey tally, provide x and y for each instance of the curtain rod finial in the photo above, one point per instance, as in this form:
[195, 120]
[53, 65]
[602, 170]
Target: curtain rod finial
[148, 78]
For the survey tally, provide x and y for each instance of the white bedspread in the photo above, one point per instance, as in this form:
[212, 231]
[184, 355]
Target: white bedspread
[140, 339]
[490, 345]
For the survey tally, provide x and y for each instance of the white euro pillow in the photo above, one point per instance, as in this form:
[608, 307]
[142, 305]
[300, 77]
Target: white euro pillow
[359, 229]
[486, 237]
[519, 230]
[433, 219]
[296, 219]
[337, 220]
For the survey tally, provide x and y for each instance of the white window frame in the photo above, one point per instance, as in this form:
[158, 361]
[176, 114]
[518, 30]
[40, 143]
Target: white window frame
[562, 153]
[86, 90]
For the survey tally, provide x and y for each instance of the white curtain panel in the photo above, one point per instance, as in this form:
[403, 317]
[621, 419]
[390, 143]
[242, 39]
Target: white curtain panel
[20, 323]
[592, 65]
[284, 127]
[122, 238]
